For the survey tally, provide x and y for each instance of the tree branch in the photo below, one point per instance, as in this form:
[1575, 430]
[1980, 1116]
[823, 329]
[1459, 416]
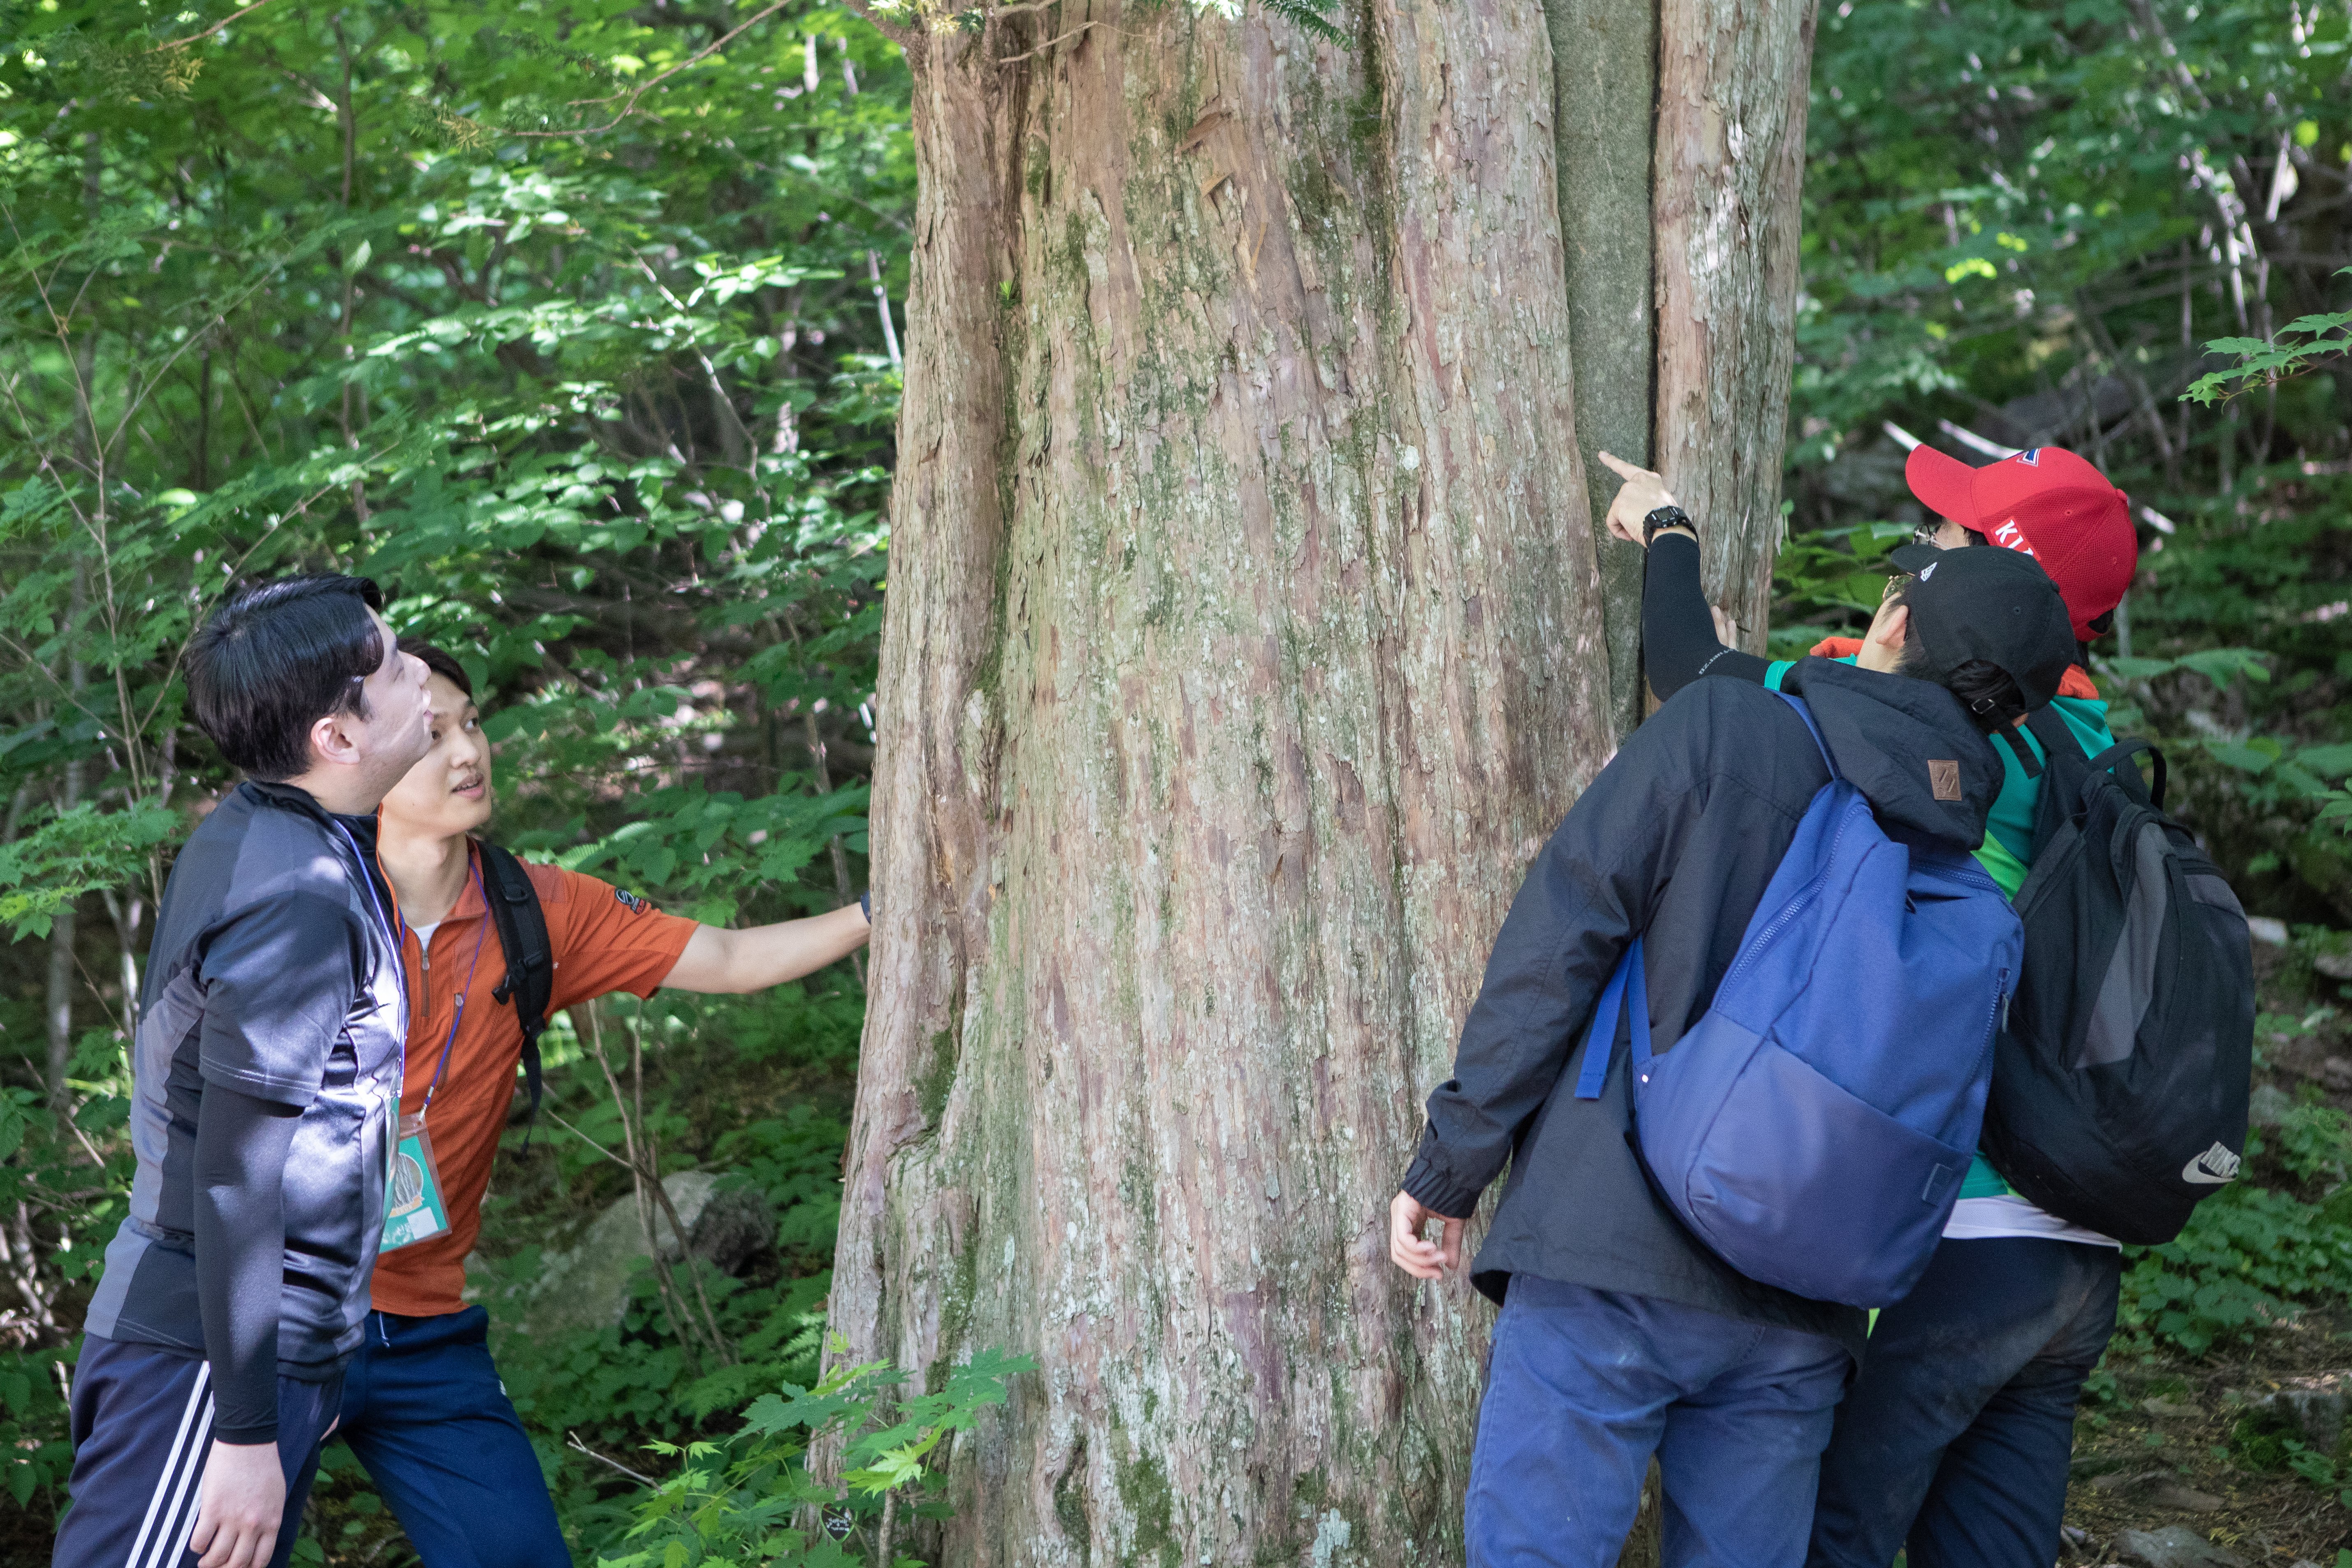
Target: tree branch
[208, 32]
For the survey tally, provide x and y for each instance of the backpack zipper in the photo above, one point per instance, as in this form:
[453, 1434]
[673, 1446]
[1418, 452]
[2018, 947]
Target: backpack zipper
[1788, 912]
[1992, 1023]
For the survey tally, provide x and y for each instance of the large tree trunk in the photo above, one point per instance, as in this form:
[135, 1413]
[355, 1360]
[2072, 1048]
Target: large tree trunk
[1245, 640]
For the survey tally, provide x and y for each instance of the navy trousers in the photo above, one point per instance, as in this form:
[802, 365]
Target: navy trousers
[1955, 1441]
[425, 1412]
[143, 1428]
[1586, 1385]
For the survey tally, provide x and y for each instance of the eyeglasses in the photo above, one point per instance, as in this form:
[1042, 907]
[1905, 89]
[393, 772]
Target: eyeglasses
[1931, 532]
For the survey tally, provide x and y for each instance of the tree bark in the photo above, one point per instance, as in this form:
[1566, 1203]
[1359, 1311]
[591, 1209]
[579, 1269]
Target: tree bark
[1606, 86]
[1244, 640]
[1732, 95]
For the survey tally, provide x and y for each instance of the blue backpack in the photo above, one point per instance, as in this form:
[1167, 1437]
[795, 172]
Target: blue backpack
[1812, 1129]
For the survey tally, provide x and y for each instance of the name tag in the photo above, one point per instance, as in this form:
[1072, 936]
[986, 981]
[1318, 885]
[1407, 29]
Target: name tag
[414, 1211]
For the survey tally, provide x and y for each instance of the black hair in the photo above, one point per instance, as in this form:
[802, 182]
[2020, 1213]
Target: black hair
[278, 658]
[439, 661]
[1912, 660]
[1989, 694]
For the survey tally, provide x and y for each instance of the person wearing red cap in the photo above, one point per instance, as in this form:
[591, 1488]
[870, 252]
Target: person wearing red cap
[2045, 502]
[1955, 1439]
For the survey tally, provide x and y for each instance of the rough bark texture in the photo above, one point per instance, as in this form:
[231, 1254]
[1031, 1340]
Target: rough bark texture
[1244, 642]
[1605, 82]
[1732, 88]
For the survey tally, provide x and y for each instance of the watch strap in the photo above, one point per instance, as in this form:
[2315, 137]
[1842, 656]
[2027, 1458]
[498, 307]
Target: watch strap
[1668, 516]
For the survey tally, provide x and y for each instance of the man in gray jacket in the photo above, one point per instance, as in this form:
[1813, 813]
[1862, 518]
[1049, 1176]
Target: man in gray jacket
[267, 1076]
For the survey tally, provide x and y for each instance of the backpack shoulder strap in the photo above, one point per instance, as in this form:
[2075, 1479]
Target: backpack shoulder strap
[1811, 728]
[2057, 739]
[2119, 755]
[1626, 988]
[530, 980]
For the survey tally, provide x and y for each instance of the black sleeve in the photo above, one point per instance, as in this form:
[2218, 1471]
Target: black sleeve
[1592, 887]
[1678, 642]
[242, 1146]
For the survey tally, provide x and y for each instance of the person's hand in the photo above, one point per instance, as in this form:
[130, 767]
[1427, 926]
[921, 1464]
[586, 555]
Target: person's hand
[1642, 493]
[239, 1506]
[1422, 1258]
[1726, 630]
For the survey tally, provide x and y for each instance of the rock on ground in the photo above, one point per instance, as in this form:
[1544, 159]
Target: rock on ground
[2269, 1105]
[587, 1285]
[2175, 1546]
[2312, 1408]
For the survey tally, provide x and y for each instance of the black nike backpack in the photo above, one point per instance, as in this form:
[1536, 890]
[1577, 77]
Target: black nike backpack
[2119, 1085]
[530, 980]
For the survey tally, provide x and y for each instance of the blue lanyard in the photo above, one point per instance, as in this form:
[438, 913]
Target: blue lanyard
[392, 928]
[442, 1068]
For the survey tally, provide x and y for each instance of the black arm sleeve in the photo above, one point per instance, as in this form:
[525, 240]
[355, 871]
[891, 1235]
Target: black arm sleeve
[242, 1146]
[1678, 642]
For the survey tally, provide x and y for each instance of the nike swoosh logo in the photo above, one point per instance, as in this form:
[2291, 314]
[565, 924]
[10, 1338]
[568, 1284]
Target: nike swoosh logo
[2195, 1170]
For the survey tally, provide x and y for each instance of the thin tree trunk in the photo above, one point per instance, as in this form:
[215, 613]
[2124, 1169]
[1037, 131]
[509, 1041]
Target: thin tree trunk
[1246, 639]
[1733, 83]
[58, 1003]
[1605, 86]
[58, 1010]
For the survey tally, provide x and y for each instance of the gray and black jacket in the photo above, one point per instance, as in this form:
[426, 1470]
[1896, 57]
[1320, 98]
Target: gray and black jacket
[1677, 839]
[266, 1091]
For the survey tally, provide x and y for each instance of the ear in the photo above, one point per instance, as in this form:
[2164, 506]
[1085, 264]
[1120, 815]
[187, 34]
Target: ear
[331, 743]
[1892, 630]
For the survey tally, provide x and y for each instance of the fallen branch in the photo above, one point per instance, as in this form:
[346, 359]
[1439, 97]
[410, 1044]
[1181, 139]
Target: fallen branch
[572, 1440]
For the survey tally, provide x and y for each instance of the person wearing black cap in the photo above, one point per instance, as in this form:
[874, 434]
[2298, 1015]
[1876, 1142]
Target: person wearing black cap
[1622, 1336]
[1956, 1439]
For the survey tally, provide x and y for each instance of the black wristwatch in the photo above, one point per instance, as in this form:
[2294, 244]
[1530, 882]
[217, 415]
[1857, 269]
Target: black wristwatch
[1667, 516]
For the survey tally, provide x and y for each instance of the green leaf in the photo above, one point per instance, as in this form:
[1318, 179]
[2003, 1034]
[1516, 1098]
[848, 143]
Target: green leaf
[2222, 665]
[2331, 762]
[2249, 759]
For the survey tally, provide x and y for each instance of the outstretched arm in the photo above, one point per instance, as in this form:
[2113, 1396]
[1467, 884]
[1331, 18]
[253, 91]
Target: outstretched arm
[1680, 637]
[1683, 636]
[730, 962]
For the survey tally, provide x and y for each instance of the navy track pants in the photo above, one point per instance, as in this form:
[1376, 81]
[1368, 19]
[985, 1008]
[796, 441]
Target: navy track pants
[143, 1428]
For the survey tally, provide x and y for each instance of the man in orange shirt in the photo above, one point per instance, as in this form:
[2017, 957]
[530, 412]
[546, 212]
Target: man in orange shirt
[423, 1407]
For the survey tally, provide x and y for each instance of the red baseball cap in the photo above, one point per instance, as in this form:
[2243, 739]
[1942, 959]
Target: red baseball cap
[2049, 504]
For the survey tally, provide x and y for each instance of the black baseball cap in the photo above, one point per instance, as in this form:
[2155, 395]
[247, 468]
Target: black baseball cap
[1997, 605]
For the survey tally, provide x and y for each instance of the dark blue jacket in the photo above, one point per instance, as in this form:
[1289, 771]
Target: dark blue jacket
[1677, 839]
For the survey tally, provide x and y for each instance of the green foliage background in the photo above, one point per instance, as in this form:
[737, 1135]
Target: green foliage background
[567, 328]
[571, 333]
